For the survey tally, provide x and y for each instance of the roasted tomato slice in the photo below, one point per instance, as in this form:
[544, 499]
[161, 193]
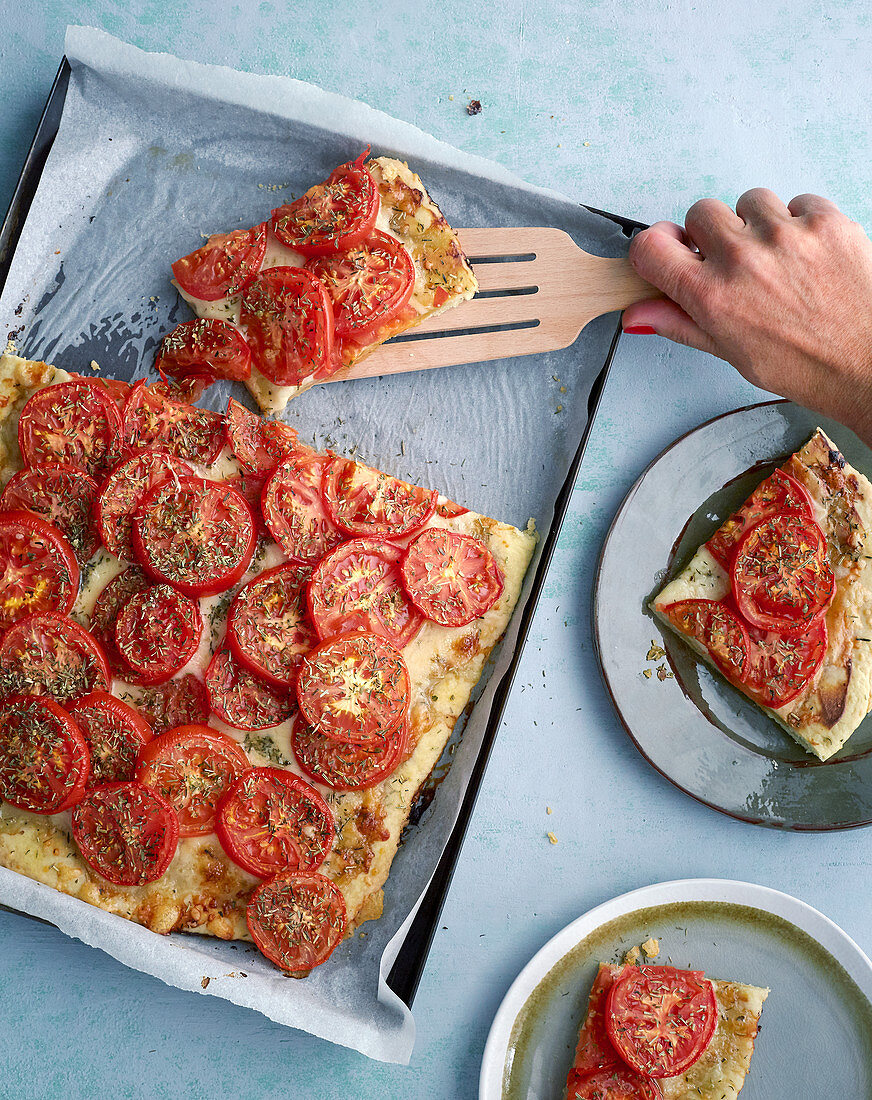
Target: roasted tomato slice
[363, 501]
[330, 216]
[714, 626]
[179, 702]
[781, 578]
[63, 496]
[76, 422]
[346, 767]
[368, 284]
[358, 586]
[778, 493]
[115, 734]
[152, 420]
[192, 767]
[108, 606]
[243, 700]
[449, 510]
[297, 919]
[43, 755]
[354, 688]
[268, 627]
[781, 665]
[157, 632]
[38, 569]
[125, 489]
[206, 349]
[259, 445]
[452, 579]
[288, 321]
[126, 832]
[612, 1083]
[294, 509]
[660, 1019]
[224, 266]
[116, 389]
[272, 821]
[199, 536]
[51, 654]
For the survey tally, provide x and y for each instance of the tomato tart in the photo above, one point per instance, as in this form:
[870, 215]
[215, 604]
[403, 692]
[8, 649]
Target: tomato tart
[228, 662]
[660, 1033]
[779, 600]
[319, 285]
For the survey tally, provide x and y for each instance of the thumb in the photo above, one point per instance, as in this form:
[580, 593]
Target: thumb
[669, 320]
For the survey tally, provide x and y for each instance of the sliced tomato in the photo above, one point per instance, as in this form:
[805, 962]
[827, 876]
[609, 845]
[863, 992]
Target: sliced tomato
[369, 285]
[157, 632]
[778, 493]
[224, 265]
[781, 577]
[358, 586]
[76, 422]
[363, 501]
[343, 766]
[38, 569]
[294, 509]
[63, 496]
[205, 348]
[126, 832]
[354, 688]
[43, 756]
[782, 665]
[125, 489]
[192, 767]
[259, 445]
[183, 391]
[660, 1019]
[250, 487]
[108, 606]
[612, 1083]
[716, 627]
[268, 627]
[449, 510]
[452, 579]
[288, 321]
[116, 389]
[199, 536]
[271, 821]
[115, 734]
[297, 919]
[179, 702]
[330, 216]
[152, 420]
[50, 654]
[243, 700]
[594, 1050]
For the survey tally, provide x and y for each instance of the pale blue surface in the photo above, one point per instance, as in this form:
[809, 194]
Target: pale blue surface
[676, 101]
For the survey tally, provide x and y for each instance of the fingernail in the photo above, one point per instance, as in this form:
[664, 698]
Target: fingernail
[640, 330]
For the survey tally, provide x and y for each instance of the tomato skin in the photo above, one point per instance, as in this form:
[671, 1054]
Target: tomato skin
[241, 699]
[782, 665]
[50, 654]
[179, 702]
[38, 569]
[297, 919]
[126, 832]
[152, 420]
[115, 734]
[192, 767]
[204, 348]
[451, 578]
[779, 492]
[294, 509]
[198, 536]
[612, 1083]
[330, 216]
[343, 766]
[44, 760]
[449, 510]
[156, 633]
[62, 495]
[715, 626]
[108, 605]
[224, 266]
[76, 422]
[271, 821]
[288, 321]
[363, 501]
[259, 445]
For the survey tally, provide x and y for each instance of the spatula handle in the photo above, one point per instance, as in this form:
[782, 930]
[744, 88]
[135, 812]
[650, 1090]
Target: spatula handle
[612, 284]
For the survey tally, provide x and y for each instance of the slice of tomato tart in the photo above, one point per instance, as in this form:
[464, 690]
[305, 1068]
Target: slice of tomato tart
[779, 599]
[320, 284]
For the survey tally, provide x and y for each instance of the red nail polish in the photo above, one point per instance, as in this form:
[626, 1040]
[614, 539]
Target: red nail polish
[640, 330]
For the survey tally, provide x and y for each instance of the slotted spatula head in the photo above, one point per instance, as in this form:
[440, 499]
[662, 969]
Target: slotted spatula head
[537, 291]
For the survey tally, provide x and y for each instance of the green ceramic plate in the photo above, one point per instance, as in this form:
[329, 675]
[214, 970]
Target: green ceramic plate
[815, 1037]
[693, 726]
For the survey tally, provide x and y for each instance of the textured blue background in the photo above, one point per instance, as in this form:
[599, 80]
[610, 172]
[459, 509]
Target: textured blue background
[631, 106]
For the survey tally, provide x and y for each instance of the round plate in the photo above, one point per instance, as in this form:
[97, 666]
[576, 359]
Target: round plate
[816, 1021]
[693, 726]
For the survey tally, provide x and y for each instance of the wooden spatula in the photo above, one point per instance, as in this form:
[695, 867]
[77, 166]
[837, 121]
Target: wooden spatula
[537, 291]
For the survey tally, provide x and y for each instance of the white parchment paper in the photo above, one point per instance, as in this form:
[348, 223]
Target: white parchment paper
[152, 152]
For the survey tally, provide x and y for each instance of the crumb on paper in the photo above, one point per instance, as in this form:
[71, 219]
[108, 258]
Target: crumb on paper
[205, 982]
[586, 144]
[631, 956]
[547, 809]
[451, 98]
[646, 672]
[663, 673]
[552, 838]
[656, 652]
[95, 366]
[559, 409]
[651, 948]
[473, 107]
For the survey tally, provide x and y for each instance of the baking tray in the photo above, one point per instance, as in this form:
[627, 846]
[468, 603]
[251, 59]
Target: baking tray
[408, 966]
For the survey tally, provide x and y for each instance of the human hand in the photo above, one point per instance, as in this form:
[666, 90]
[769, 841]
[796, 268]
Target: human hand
[784, 293]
